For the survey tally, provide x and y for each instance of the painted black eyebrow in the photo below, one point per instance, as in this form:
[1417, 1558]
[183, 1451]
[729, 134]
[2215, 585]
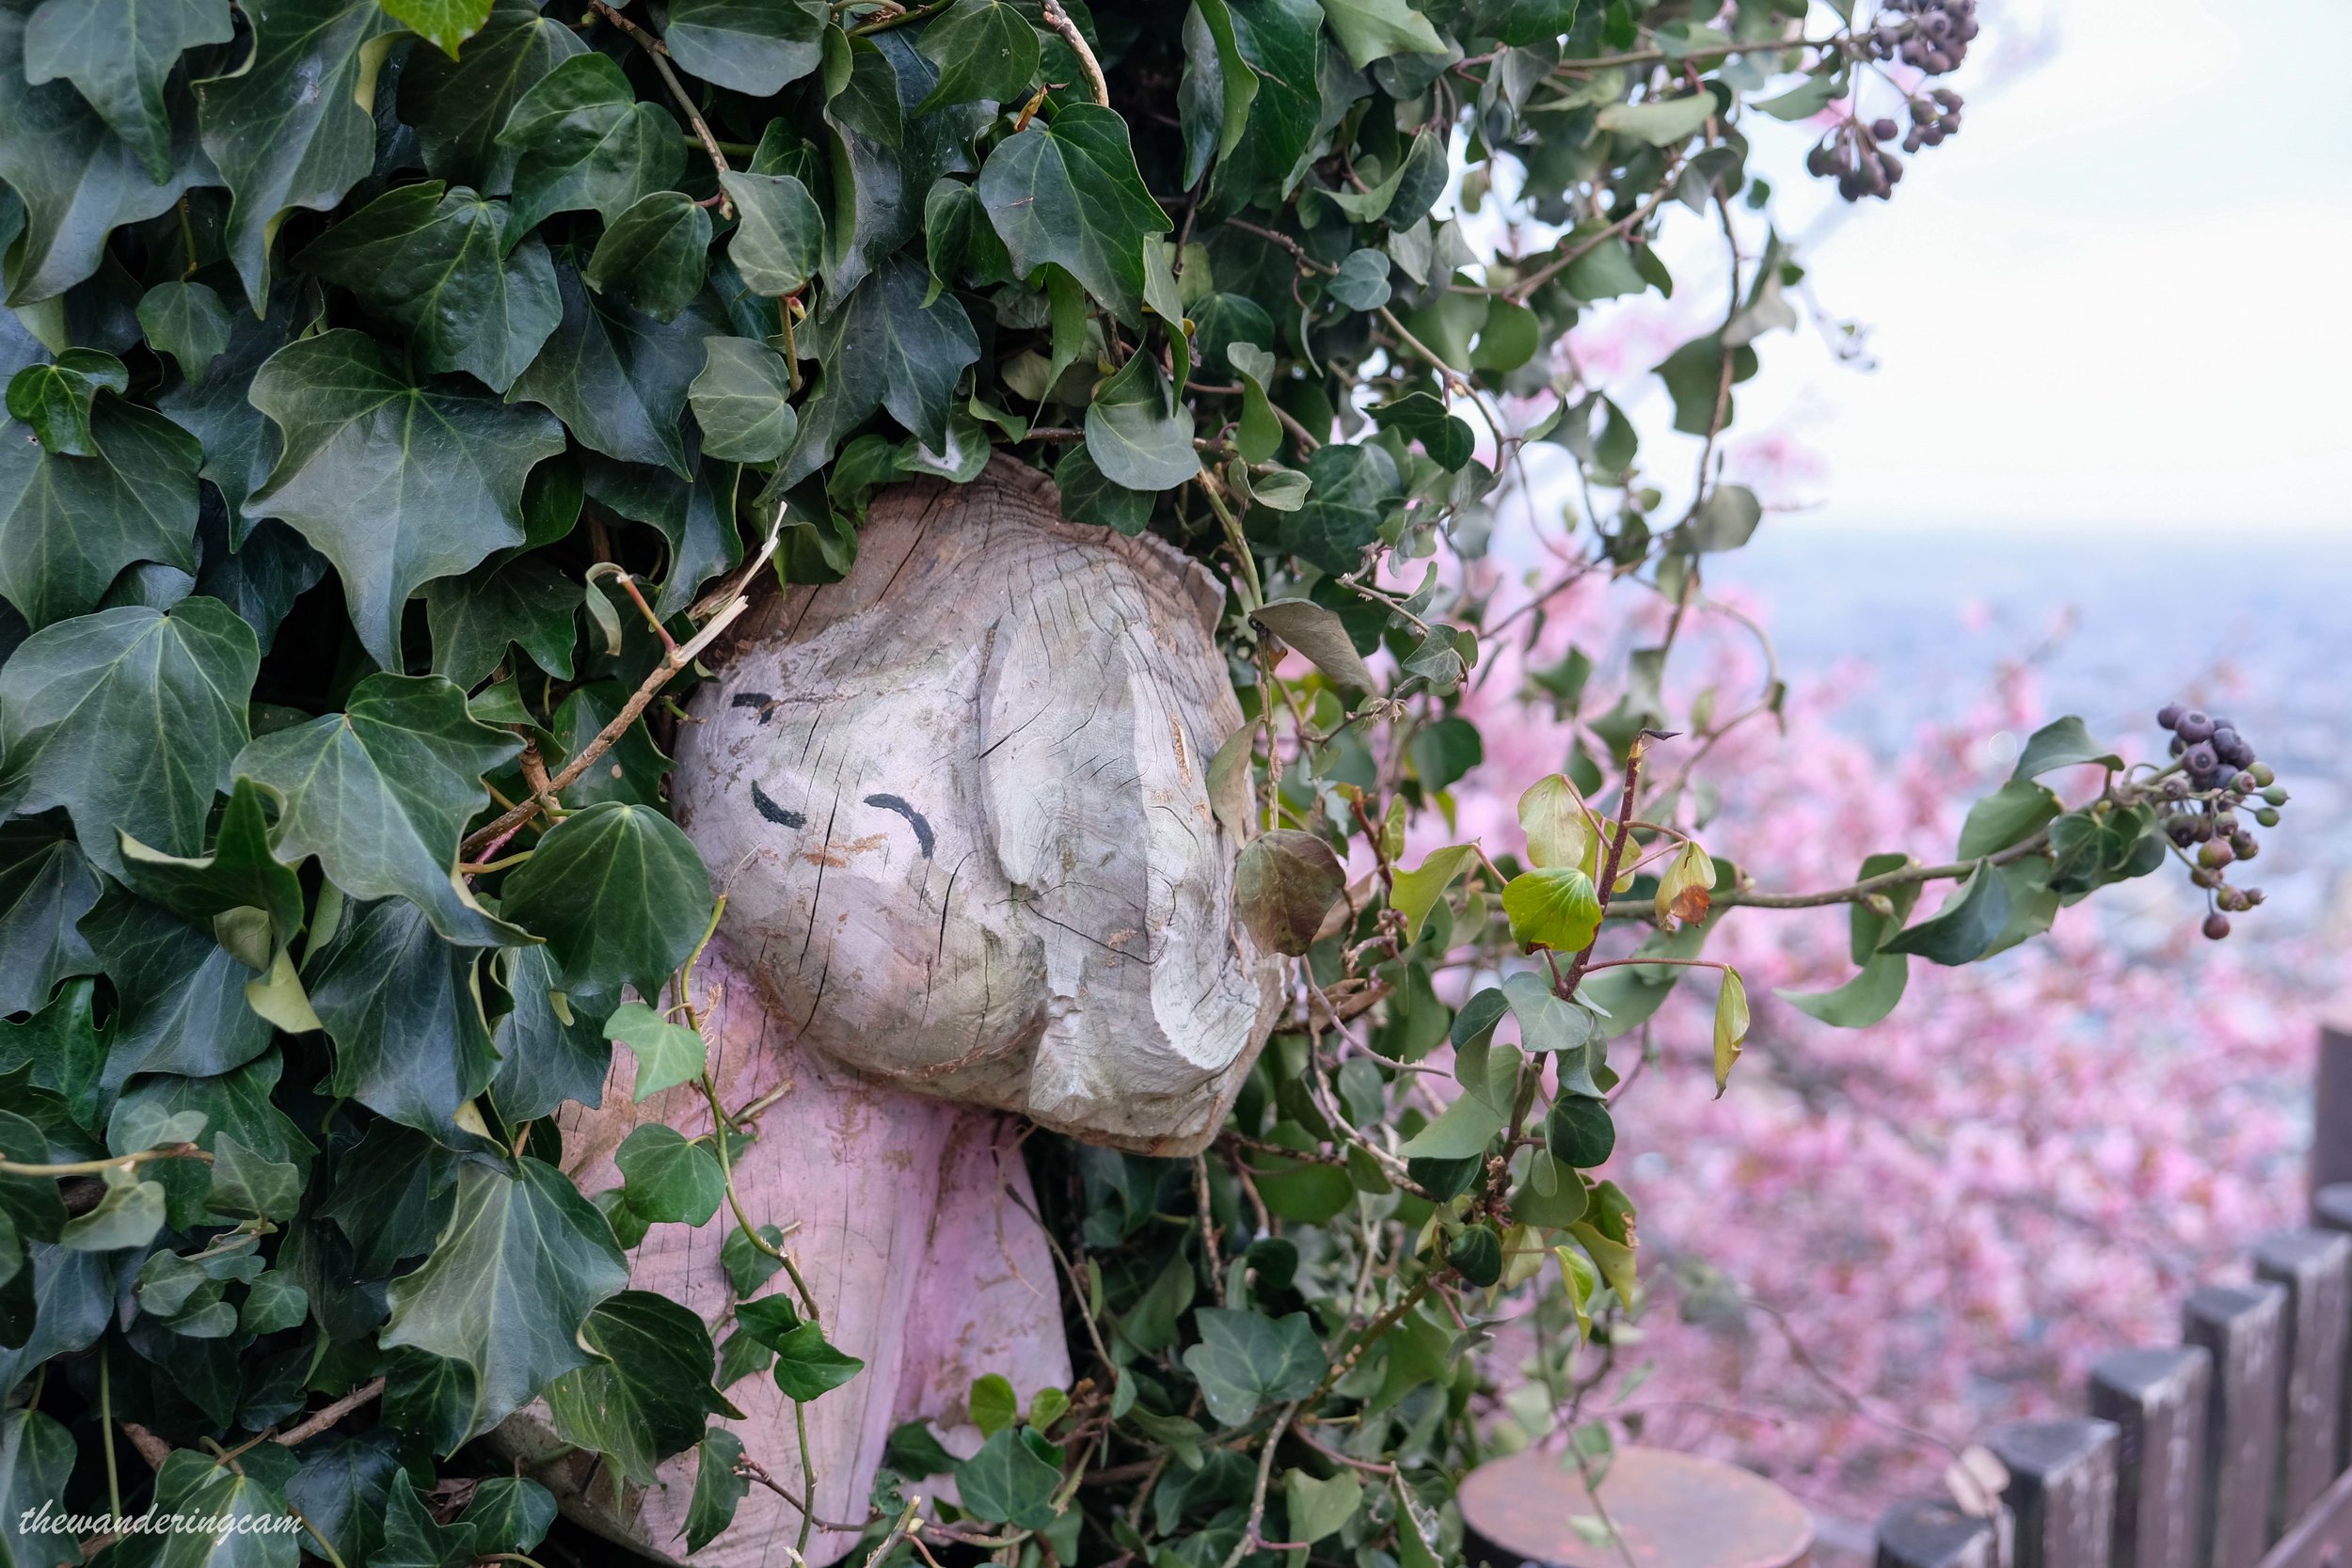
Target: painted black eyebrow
[761, 701]
[773, 812]
[915, 819]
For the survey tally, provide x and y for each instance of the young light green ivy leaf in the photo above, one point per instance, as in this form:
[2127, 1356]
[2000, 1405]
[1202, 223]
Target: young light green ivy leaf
[668, 1053]
[1731, 1026]
[1553, 907]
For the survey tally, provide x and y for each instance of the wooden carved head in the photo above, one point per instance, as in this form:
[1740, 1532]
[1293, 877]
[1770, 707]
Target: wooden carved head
[960, 803]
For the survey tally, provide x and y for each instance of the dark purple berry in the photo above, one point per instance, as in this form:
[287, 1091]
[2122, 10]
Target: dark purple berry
[2201, 756]
[1882, 129]
[2216, 925]
[2245, 845]
[2167, 716]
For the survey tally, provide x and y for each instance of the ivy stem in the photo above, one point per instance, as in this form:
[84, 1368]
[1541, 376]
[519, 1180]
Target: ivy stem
[808, 1466]
[1059, 20]
[1249, 1538]
[107, 1433]
[100, 1168]
[1855, 892]
[659, 54]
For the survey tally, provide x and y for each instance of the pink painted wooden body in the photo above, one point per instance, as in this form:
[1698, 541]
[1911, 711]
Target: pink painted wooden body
[915, 1235]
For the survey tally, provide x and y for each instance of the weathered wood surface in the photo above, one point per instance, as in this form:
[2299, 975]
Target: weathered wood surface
[2314, 1267]
[2244, 1329]
[960, 804]
[1930, 1533]
[915, 1234]
[2323, 1537]
[2331, 1210]
[2158, 1400]
[1670, 1511]
[2332, 1124]
[2061, 1490]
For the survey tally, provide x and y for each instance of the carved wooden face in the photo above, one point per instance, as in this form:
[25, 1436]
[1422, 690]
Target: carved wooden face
[959, 805]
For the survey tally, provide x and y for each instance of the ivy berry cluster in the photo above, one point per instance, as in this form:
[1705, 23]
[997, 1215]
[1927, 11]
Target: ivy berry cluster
[1931, 35]
[2218, 775]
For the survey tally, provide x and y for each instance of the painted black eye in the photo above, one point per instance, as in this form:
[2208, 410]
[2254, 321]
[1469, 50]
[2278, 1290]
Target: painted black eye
[914, 818]
[775, 812]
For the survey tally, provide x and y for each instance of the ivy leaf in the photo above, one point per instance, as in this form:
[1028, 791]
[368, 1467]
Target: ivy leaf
[55, 399]
[548, 1052]
[458, 105]
[1006, 1482]
[393, 481]
[882, 347]
[1419, 417]
[241, 445]
[668, 1179]
[509, 1286]
[696, 516]
[240, 873]
[1363, 280]
[780, 236]
[405, 1011]
[1725, 520]
[747, 46]
[718, 1488]
[1246, 1360]
[246, 1185]
[292, 127]
[649, 1396]
[36, 1462]
[69, 525]
[381, 792]
[1281, 48]
[392, 1196]
[1352, 489]
[443, 24]
[179, 995]
[1137, 433]
[808, 1367]
[127, 718]
[343, 1485]
[229, 1511]
[186, 321]
[1970, 922]
[1731, 1026]
[2061, 743]
[667, 1054]
[524, 601]
[1417, 892]
[653, 256]
[1086, 496]
[984, 49]
[583, 139]
[1319, 1507]
[437, 262]
[1662, 121]
[1862, 1001]
[620, 896]
[617, 379]
[2013, 812]
[1373, 30]
[46, 887]
[76, 179]
[740, 400]
[1553, 907]
[1069, 193]
[1285, 883]
[1579, 1131]
[1320, 634]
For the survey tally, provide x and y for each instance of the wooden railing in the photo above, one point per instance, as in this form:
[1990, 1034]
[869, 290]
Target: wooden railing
[2231, 1450]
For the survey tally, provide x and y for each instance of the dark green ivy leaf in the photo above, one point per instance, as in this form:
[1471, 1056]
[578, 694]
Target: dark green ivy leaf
[510, 1285]
[291, 127]
[718, 1489]
[240, 872]
[548, 1050]
[342, 1487]
[393, 1196]
[179, 995]
[381, 791]
[1246, 1360]
[668, 1179]
[618, 892]
[1086, 496]
[403, 1008]
[617, 379]
[437, 262]
[583, 139]
[749, 46]
[443, 24]
[458, 106]
[780, 235]
[650, 1395]
[882, 347]
[241, 446]
[695, 516]
[523, 600]
[186, 321]
[1069, 193]
[740, 400]
[70, 524]
[653, 256]
[229, 1508]
[1970, 922]
[46, 886]
[1137, 433]
[76, 179]
[2061, 743]
[395, 482]
[1419, 417]
[1006, 1482]
[984, 49]
[1352, 487]
[117, 52]
[55, 399]
[127, 718]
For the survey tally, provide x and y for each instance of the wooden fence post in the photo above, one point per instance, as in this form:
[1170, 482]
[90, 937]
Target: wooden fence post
[1927, 1532]
[2331, 1110]
[2315, 1269]
[2158, 1400]
[2242, 1328]
[2061, 1488]
[2331, 1210]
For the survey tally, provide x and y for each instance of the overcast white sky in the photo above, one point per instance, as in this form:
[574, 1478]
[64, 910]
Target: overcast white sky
[2122, 296]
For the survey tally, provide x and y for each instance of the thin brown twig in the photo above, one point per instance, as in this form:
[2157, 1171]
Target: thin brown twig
[659, 54]
[326, 1416]
[1059, 20]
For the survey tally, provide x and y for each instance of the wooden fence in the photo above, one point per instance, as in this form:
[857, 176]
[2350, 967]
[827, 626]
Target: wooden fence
[2231, 1450]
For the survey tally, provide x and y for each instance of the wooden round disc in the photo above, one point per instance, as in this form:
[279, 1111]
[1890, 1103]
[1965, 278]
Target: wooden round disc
[1673, 1511]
